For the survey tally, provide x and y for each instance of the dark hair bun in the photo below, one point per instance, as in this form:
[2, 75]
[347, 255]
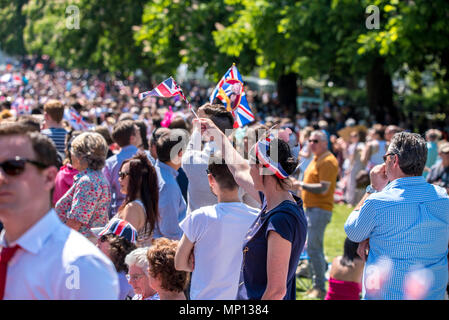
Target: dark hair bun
[284, 155]
[290, 165]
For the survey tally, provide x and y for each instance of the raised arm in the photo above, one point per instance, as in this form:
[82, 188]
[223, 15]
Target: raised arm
[238, 165]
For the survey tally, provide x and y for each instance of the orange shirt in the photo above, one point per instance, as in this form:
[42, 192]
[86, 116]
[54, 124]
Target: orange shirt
[323, 168]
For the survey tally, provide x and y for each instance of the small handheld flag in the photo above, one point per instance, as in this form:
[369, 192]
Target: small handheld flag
[230, 92]
[168, 88]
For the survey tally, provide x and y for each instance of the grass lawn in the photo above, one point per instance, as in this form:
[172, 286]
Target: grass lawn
[334, 237]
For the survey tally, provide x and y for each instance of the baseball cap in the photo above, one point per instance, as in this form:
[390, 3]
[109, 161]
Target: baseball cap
[444, 147]
[120, 228]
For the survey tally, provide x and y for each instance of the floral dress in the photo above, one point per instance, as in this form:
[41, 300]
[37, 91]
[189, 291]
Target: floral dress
[87, 201]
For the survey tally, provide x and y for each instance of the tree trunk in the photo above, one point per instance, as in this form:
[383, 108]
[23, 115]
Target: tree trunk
[380, 94]
[21, 23]
[287, 90]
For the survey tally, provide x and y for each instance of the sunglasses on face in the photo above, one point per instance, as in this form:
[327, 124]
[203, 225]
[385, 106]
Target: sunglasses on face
[122, 174]
[313, 141]
[16, 166]
[387, 155]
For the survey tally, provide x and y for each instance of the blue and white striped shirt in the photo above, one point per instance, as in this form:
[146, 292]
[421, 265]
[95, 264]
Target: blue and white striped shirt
[407, 224]
[58, 136]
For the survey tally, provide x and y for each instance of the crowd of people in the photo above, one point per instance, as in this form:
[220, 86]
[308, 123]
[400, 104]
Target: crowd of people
[143, 200]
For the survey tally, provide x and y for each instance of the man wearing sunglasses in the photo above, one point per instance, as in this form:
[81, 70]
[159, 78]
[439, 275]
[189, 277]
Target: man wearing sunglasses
[406, 221]
[41, 258]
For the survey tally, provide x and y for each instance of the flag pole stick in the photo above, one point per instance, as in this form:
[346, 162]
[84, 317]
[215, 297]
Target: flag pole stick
[185, 99]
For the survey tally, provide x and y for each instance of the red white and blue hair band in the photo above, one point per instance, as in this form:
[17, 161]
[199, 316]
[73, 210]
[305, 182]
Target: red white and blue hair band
[120, 228]
[261, 150]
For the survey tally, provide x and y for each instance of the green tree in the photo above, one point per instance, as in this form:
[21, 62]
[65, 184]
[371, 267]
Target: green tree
[328, 39]
[104, 40]
[413, 39]
[174, 32]
[11, 27]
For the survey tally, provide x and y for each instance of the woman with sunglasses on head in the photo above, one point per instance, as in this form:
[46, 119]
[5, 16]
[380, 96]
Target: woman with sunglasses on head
[85, 205]
[138, 181]
[274, 242]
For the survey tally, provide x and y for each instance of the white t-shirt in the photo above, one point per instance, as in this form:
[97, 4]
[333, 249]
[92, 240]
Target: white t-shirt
[218, 232]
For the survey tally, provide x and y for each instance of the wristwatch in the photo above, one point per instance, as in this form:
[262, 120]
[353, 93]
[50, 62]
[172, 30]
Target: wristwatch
[370, 189]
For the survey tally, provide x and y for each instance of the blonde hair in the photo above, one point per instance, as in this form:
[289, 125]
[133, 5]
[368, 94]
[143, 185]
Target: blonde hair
[92, 148]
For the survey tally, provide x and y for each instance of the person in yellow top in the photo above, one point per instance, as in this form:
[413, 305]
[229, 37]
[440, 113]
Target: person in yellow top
[318, 188]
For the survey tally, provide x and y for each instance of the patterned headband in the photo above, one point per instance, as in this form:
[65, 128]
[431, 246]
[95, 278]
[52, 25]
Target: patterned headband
[261, 151]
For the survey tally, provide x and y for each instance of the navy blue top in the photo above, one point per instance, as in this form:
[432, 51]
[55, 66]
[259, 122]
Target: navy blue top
[183, 183]
[289, 221]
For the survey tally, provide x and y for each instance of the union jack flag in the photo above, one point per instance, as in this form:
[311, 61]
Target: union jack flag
[168, 88]
[230, 92]
[75, 120]
[21, 106]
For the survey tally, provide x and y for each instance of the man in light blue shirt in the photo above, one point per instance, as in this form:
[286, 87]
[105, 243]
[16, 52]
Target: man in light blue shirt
[407, 223]
[127, 135]
[172, 206]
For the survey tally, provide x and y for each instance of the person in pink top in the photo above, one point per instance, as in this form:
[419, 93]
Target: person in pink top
[63, 181]
[345, 280]
[64, 178]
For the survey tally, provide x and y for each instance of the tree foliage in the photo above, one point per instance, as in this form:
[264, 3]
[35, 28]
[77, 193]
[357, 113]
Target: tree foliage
[175, 32]
[104, 40]
[12, 23]
[281, 39]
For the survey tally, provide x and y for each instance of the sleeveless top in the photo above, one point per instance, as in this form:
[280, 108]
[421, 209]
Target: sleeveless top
[377, 158]
[343, 290]
[144, 237]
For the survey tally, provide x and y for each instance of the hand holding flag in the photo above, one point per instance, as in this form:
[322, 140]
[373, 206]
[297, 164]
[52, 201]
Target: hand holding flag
[230, 92]
[168, 88]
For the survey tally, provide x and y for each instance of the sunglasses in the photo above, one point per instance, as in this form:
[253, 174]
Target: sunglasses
[16, 166]
[122, 174]
[314, 141]
[387, 155]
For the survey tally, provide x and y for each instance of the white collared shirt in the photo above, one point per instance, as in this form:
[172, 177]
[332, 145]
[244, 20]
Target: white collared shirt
[55, 262]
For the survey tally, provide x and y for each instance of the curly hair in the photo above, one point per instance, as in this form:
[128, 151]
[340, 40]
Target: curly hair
[92, 148]
[120, 247]
[161, 258]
